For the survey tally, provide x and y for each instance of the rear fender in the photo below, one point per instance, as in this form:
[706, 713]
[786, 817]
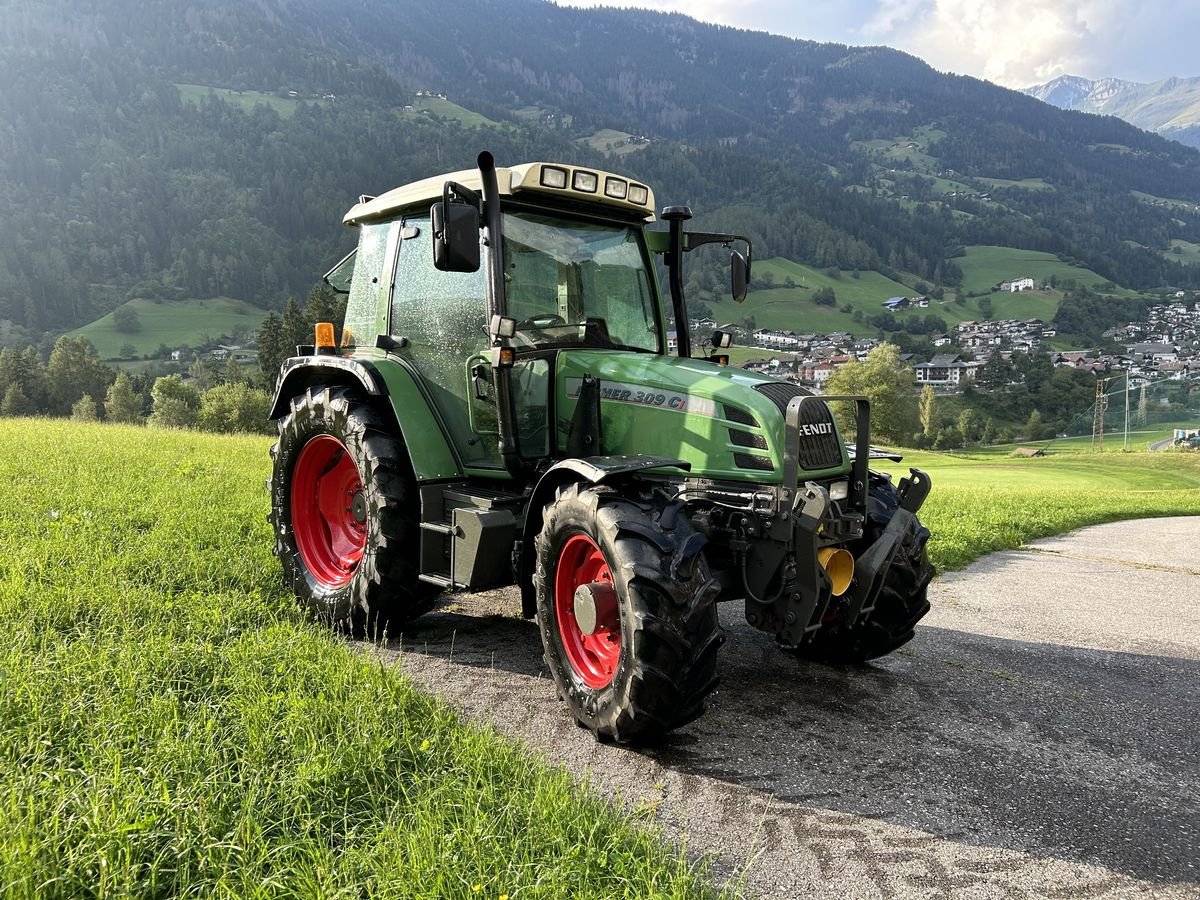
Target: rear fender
[593, 470]
[299, 373]
[396, 391]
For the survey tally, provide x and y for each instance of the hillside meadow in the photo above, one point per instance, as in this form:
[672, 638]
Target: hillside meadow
[773, 304]
[171, 725]
[173, 323]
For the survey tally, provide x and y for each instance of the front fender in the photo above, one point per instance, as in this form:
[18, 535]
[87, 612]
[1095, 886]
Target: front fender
[592, 469]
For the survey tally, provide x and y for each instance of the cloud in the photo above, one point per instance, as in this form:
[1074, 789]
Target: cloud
[1012, 42]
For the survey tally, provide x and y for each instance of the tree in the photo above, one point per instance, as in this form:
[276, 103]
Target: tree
[928, 412]
[84, 409]
[128, 351]
[947, 439]
[968, 425]
[75, 370]
[1036, 429]
[985, 308]
[125, 318]
[295, 327]
[233, 373]
[1143, 406]
[887, 383]
[15, 403]
[271, 348]
[824, 296]
[175, 403]
[122, 404]
[235, 408]
[203, 373]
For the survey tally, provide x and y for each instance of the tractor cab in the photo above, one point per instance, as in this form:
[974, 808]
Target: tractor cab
[485, 300]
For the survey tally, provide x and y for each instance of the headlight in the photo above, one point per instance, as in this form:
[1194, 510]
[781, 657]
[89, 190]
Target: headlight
[839, 490]
[616, 188]
[584, 181]
[554, 177]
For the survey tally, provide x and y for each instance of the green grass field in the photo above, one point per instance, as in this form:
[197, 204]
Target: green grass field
[1025, 184]
[174, 323]
[171, 726]
[778, 306]
[981, 503]
[984, 266]
[246, 100]
[1188, 252]
[609, 140]
[448, 111]
[793, 308]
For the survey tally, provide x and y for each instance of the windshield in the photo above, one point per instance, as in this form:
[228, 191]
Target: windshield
[577, 283]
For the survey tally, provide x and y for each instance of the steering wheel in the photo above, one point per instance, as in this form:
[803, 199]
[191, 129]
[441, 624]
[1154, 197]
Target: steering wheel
[547, 320]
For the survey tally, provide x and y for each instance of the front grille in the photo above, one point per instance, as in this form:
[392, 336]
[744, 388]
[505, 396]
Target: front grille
[746, 439]
[758, 463]
[733, 414]
[816, 451]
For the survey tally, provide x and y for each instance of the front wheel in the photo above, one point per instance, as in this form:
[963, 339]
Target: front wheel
[625, 606]
[902, 600]
[345, 513]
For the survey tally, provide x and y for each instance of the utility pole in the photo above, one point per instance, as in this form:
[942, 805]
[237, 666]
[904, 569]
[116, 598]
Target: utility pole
[1098, 418]
[1126, 448]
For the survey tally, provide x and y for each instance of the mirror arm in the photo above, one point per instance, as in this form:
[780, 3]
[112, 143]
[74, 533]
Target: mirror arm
[694, 239]
[497, 305]
[676, 216]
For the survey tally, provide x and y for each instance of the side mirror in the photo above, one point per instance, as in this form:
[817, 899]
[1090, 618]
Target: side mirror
[456, 230]
[721, 340]
[739, 275]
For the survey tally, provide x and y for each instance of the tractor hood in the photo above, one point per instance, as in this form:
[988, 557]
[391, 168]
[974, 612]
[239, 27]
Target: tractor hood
[727, 422]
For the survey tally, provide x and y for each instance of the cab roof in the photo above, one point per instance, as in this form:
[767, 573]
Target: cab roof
[578, 183]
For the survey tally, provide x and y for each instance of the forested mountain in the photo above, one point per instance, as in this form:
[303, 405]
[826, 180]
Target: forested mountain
[1170, 106]
[122, 174]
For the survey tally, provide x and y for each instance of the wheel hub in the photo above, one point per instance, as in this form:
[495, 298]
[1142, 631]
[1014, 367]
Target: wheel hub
[588, 611]
[358, 507]
[594, 603]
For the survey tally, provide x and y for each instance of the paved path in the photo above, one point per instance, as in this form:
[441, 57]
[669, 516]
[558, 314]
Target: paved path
[1040, 737]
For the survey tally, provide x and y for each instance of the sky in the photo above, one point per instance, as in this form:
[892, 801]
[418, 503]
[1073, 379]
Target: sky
[1015, 43]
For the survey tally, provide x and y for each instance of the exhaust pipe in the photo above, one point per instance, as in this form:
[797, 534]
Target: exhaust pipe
[839, 566]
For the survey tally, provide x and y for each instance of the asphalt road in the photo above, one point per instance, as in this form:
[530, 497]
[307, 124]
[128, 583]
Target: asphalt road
[1040, 737]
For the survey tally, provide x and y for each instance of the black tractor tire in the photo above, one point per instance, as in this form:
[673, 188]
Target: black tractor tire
[665, 612]
[333, 442]
[902, 601]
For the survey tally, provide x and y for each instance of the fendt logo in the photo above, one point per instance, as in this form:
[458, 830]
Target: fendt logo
[817, 429]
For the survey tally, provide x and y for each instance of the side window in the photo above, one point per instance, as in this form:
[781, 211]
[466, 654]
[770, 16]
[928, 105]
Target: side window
[442, 315]
[368, 285]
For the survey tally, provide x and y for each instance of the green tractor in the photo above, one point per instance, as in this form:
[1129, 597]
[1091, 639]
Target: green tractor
[506, 406]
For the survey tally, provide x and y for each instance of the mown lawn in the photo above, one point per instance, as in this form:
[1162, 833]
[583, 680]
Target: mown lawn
[980, 504]
[170, 726]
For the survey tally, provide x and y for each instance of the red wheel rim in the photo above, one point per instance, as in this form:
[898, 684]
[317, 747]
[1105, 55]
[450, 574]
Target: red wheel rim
[593, 656]
[328, 511]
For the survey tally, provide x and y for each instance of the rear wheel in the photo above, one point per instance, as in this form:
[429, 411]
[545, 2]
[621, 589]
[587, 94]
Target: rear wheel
[625, 606]
[902, 600]
[344, 512]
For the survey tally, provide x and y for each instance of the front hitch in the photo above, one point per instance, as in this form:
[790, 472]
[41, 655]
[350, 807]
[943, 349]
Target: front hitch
[870, 569]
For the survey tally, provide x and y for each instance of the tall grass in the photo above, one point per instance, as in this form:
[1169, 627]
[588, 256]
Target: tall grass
[170, 726]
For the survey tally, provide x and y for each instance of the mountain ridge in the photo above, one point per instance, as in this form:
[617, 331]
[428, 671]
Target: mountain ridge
[1169, 107]
[830, 156]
